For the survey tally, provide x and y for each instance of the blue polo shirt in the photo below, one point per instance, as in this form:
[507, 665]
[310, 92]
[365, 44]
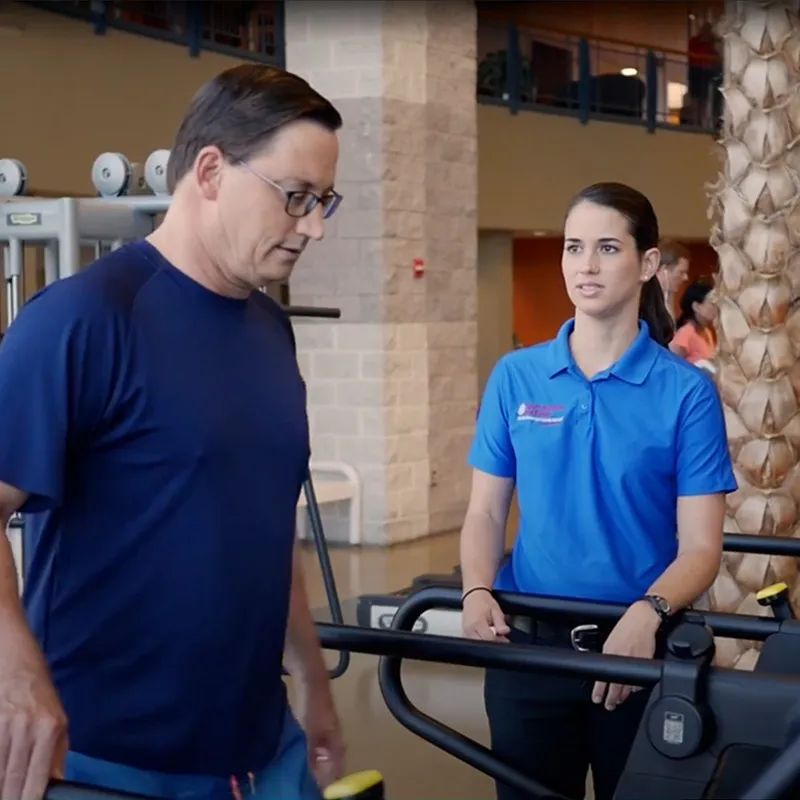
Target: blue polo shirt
[161, 432]
[599, 464]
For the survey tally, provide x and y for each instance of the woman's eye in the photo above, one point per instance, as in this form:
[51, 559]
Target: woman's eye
[609, 248]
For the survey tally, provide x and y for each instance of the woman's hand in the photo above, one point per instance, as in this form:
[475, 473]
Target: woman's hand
[635, 636]
[482, 618]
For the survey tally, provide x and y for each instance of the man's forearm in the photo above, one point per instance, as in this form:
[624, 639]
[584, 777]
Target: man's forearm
[689, 575]
[482, 547]
[302, 655]
[15, 635]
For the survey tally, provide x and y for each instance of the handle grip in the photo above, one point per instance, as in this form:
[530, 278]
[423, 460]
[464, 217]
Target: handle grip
[66, 790]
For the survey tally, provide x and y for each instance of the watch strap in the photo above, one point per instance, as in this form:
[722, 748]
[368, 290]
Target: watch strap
[660, 606]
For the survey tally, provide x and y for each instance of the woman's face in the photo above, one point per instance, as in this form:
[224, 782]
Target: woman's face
[706, 312]
[603, 271]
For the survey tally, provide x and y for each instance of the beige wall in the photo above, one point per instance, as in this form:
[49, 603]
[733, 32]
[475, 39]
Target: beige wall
[495, 300]
[530, 165]
[72, 95]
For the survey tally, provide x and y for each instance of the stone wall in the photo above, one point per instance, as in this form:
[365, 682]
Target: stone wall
[392, 385]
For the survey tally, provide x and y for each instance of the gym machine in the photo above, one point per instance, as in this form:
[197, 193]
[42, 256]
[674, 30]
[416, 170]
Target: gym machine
[707, 732]
[378, 610]
[130, 199]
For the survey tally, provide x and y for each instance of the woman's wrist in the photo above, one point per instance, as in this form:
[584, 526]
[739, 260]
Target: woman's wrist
[644, 611]
[473, 590]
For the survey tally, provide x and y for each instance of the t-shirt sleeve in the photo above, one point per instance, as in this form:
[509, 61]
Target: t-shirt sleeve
[491, 450]
[57, 365]
[703, 459]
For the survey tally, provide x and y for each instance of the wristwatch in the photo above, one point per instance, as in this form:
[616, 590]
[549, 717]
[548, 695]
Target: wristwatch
[660, 606]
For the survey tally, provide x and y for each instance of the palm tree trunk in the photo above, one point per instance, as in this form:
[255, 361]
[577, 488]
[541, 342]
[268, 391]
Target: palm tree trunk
[756, 233]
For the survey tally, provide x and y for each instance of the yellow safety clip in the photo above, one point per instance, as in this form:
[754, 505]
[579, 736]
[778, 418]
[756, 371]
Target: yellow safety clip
[769, 593]
[366, 785]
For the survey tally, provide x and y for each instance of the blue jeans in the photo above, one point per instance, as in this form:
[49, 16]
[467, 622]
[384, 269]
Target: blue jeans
[287, 777]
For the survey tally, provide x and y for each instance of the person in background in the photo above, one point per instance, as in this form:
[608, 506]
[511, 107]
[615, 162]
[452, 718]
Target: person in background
[673, 271]
[613, 444]
[694, 338]
[704, 74]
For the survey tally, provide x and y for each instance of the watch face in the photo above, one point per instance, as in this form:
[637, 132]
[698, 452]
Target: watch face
[661, 604]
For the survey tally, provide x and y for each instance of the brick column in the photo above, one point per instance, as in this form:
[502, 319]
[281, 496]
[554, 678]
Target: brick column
[393, 384]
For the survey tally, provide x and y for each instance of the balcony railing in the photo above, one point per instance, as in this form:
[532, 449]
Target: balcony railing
[527, 69]
[247, 30]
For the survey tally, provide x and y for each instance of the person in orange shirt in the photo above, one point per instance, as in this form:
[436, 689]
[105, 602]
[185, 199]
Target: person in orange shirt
[694, 338]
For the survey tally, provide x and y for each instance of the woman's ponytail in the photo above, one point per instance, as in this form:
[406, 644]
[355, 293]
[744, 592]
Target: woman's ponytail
[653, 310]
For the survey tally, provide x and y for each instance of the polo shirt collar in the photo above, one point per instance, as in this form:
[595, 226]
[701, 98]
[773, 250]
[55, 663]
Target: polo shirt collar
[633, 367]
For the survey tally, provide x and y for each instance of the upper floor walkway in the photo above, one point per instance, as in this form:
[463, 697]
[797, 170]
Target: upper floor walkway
[524, 69]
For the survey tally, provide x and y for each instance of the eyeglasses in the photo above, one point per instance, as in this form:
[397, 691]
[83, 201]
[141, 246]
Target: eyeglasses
[300, 203]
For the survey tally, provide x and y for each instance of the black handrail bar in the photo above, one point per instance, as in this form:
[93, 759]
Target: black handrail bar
[314, 312]
[62, 790]
[470, 653]
[761, 545]
[736, 626]
[328, 579]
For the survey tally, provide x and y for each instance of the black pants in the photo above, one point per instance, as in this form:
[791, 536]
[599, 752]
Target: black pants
[548, 727]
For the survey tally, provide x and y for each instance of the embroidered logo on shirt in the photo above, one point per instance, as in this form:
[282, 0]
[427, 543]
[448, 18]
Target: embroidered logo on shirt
[542, 415]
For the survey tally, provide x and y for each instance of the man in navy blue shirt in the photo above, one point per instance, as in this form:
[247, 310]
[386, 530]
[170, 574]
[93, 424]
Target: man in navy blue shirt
[154, 432]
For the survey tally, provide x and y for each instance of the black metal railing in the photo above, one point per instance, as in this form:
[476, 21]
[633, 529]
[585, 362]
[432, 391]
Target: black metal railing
[590, 78]
[394, 646]
[735, 626]
[59, 790]
[537, 659]
[761, 545]
[252, 31]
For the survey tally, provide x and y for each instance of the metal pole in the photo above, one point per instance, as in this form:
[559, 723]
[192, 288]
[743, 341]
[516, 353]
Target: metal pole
[69, 251]
[13, 276]
[50, 263]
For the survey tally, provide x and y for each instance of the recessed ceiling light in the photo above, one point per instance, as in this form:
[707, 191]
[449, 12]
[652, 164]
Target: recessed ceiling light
[629, 72]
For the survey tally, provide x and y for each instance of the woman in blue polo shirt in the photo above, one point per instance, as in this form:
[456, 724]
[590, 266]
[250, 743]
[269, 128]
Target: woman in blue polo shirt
[613, 444]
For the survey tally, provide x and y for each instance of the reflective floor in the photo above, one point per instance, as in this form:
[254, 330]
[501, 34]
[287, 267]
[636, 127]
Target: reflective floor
[412, 769]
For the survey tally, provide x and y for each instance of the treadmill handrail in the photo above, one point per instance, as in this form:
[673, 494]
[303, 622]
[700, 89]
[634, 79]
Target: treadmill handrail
[541, 659]
[736, 626]
[452, 650]
[64, 790]
[395, 645]
[326, 568]
[761, 545]
[312, 312]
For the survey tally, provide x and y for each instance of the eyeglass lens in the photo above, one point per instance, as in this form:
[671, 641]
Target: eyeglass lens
[302, 203]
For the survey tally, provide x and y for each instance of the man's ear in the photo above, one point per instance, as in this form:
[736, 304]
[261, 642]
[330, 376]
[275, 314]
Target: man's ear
[207, 171]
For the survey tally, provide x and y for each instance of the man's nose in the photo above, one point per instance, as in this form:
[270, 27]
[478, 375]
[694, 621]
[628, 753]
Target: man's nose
[312, 226]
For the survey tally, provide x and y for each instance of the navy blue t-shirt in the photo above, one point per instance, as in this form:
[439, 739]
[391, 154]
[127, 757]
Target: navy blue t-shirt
[161, 432]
